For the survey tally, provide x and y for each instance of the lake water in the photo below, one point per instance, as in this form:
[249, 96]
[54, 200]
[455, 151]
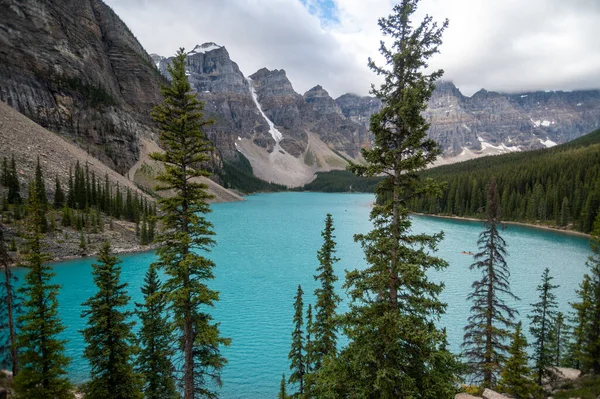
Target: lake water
[267, 245]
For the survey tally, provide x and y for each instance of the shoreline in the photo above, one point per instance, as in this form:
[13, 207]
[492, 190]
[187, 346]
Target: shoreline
[535, 226]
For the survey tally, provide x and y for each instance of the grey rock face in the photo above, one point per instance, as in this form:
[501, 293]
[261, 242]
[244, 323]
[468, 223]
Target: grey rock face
[75, 68]
[527, 120]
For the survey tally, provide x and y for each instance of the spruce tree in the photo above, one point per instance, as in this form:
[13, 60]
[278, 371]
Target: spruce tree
[109, 341]
[14, 187]
[325, 328]
[559, 340]
[391, 324]
[296, 355]
[155, 336]
[491, 318]
[59, 195]
[42, 359]
[543, 317]
[185, 232]
[10, 308]
[282, 389]
[515, 378]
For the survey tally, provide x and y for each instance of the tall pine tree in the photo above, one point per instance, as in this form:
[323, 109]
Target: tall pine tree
[8, 311]
[515, 378]
[110, 343]
[42, 359]
[296, 355]
[543, 317]
[395, 348]
[325, 328]
[186, 234]
[155, 336]
[491, 318]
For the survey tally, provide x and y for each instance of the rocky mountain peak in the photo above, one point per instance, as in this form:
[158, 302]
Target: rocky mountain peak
[205, 48]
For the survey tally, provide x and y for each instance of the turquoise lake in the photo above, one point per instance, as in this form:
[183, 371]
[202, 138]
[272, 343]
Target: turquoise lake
[267, 245]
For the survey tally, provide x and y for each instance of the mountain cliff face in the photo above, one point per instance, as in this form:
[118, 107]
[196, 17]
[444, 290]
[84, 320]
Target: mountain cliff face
[286, 136]
[75, 68]
[490, 122]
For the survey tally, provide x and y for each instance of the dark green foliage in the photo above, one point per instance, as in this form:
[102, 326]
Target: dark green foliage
[238, 175]
[555, 186]
[559, 340]
[543, 317]
[395, 348]
[59, 195]
[9, 308]
[337, 181]
[325, 325]
[110, 343]
[585, 350]
[296, 355]
[282, 389]
[186, 234]
[516, 379]
[155, 336]
[14, 187]
[42, 361]
[484, 346]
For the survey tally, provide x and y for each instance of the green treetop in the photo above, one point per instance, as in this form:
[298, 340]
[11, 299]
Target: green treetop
[186, 234]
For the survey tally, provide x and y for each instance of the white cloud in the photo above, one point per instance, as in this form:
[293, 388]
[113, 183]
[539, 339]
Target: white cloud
[507, 45]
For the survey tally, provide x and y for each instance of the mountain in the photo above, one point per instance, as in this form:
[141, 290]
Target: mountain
[493, 123]
[74, 67]
[285, 136]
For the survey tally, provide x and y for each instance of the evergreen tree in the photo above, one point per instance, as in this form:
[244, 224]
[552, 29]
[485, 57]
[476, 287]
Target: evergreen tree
[282, 389]
[488, 326]
[14, 187]
[40, 186]
[9, 310]
[296, 355]
[515, 378]
[109, 340]
[42, 361]
[154, 359]
[559, 340]
[543, 317]
[186, 233]
[395, 348]
[59, 195]
[325, 327]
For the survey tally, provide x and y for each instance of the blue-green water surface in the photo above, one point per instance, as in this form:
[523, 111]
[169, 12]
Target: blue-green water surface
[267, 245]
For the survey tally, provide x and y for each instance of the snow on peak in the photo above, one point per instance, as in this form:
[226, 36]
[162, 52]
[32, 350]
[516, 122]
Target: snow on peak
[204, 48]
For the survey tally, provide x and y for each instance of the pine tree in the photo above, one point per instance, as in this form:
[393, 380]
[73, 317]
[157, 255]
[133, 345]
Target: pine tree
[59, 195]
[488, 326]
[296, 355]
[40, 186]
[325, 327]
[559, 340]
[155, 335]
[282, 389]
[543, 317]
[42, 359]
[108, 337]
[186, 233]
[10, 308]
[393, 339]
[14, 188]
[515, 378]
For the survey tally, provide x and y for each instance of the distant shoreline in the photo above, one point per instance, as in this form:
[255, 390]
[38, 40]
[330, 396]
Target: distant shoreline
[536, 226]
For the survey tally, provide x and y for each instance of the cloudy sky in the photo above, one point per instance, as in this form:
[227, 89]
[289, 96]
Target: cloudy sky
[501, 45]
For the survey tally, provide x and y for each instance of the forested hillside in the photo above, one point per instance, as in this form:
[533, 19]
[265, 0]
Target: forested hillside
[557, 187]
